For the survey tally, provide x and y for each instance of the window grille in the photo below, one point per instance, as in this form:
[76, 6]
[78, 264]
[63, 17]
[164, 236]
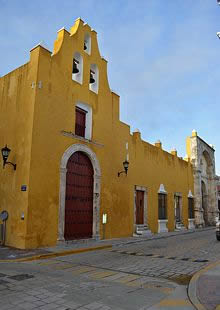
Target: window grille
[162, 206]
[191, 208]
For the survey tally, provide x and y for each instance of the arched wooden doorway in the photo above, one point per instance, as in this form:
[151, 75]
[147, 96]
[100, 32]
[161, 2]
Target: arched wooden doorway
[204, 202]
[79, 197]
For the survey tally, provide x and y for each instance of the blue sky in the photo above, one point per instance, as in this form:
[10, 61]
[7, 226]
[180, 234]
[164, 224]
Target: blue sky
[163, 58]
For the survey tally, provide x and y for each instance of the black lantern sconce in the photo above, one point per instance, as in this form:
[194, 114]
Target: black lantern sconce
[5, 153]
[125, 164]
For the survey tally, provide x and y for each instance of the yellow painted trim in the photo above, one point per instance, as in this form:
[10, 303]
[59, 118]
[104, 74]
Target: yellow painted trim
[102, 274]
[174, 302]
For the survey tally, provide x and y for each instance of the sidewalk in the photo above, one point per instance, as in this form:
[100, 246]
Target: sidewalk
[77, 246]
[204, 288]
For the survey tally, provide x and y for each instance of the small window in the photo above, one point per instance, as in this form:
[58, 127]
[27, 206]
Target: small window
[162, 206]
[85, 108]
[191, 208]
[80, 124]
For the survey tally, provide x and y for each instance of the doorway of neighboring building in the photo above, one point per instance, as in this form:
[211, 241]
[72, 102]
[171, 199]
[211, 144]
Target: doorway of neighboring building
[139, 207]
[79, 197]
[219, 209]
[204, 202]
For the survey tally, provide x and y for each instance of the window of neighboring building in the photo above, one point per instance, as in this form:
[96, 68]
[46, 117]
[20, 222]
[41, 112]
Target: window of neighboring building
[191, 207]
[162, 206]
[80, 124]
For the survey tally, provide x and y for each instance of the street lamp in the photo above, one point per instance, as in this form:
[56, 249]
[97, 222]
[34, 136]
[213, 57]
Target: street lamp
[218, 33]
[5, 153]
[125, 165]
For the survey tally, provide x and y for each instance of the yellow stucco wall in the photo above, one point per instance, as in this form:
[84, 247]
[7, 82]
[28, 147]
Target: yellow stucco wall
[17, 99]
[32, 123]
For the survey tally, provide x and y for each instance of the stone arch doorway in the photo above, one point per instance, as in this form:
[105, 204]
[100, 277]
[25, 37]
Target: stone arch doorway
[84, 157]
[79, 197]
[204, 202]
[206, 176]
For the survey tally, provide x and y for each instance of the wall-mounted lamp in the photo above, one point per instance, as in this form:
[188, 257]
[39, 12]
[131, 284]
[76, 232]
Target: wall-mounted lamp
[5, 153]
[125, 164]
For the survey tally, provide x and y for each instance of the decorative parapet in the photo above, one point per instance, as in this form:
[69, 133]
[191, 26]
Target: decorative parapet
[158, 144]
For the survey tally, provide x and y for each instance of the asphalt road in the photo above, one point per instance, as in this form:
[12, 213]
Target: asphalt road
[152, 275]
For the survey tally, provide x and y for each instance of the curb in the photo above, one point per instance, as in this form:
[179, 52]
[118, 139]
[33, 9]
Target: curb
[193, 286]
[158, 236]
[56, 254]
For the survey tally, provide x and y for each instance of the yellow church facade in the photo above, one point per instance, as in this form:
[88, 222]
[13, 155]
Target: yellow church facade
[80, 173]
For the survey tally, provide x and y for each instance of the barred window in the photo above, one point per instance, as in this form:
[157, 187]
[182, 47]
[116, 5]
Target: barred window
[162, 206]
[191, 207]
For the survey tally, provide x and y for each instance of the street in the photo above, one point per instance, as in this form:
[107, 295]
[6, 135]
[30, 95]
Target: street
[151, 274]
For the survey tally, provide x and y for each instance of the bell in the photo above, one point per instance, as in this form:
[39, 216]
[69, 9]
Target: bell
[92, 80]
[75, 69]
[85, 47]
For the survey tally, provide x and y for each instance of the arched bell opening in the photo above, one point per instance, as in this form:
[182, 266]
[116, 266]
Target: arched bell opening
[94, 78]
[87, 44]
[77, 68]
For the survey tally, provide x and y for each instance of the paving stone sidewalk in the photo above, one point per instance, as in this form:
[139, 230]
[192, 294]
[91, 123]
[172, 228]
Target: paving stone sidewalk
[109, 279]
[52, 284]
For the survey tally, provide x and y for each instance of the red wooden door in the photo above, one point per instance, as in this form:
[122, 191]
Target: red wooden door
[79, 197]
[139, 207]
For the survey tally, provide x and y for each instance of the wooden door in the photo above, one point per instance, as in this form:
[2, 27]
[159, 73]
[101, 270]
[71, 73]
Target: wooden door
[79, 197]
[139, 207]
